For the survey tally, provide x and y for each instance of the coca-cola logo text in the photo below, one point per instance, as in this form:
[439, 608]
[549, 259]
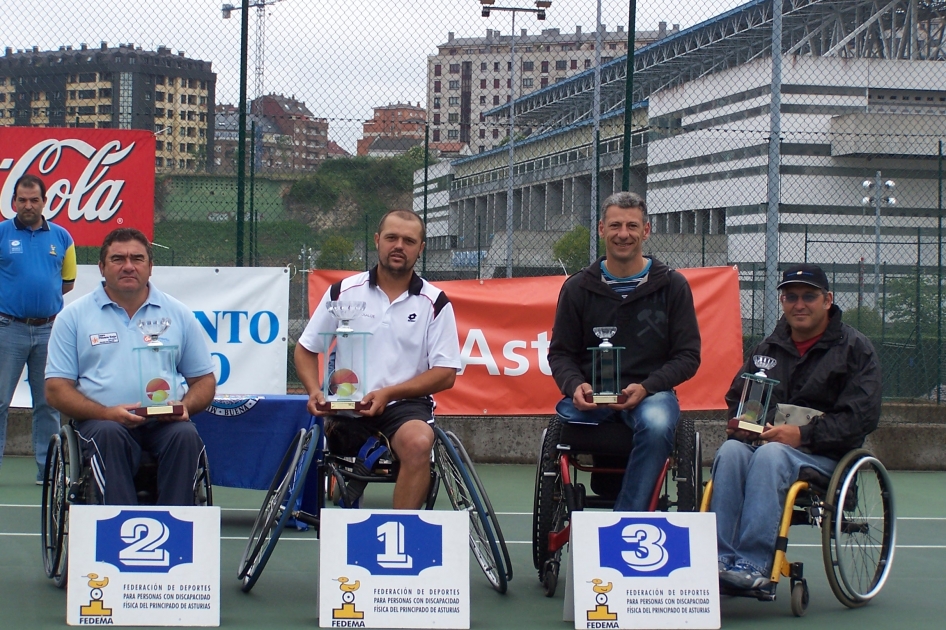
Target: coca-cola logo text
[93, 198]
[96, 179]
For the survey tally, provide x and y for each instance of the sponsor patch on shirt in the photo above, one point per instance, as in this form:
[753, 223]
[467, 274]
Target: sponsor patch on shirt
[16, 247]
[101, 338]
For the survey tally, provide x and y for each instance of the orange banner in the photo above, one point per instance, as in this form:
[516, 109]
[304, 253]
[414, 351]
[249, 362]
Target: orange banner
[505, 326]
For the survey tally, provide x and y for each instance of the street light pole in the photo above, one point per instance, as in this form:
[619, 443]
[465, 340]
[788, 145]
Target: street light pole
[877, 200]
[541, 5]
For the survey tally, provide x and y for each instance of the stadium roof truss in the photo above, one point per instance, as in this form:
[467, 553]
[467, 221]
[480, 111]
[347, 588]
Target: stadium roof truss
[878, 29]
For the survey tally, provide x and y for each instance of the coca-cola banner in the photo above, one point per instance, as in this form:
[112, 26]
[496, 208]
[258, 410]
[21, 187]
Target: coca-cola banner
[96, 179]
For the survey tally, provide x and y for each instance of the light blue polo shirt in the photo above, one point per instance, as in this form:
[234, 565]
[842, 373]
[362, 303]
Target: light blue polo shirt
[93, 342]
[34, 264]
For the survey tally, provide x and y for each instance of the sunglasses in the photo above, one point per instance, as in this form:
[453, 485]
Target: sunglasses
[791, 298]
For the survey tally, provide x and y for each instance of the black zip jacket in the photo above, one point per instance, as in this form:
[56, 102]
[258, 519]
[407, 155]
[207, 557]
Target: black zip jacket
[656, 324]
[839, 375]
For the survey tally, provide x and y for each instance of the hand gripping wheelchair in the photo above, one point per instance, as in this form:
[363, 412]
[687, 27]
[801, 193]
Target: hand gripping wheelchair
[855, 510]
[68, 480]
[601, 450]
[341, 472]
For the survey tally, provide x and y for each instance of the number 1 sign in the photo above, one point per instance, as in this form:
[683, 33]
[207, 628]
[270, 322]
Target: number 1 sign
[144, 566]
[394, 569]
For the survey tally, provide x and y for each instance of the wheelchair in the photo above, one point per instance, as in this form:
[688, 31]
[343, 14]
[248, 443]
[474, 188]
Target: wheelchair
[67, 480]
[341, 474]
[601, 450]
[856, 513]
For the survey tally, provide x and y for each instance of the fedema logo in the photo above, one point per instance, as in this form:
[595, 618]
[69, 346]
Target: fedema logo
[644, 547]
[144, 542]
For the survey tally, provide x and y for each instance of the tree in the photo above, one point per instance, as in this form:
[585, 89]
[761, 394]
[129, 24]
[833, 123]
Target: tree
[338, 253]
[572, 249]
[901, 306]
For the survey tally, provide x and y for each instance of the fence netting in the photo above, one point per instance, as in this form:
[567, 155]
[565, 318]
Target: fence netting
[829, 151]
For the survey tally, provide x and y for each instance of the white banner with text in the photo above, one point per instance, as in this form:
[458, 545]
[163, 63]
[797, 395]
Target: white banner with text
[243, 311]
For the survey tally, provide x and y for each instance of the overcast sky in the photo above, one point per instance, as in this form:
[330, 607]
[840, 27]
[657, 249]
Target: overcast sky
[341, 57]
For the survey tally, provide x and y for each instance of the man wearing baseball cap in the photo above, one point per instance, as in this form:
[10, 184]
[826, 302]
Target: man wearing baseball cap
[829, 376]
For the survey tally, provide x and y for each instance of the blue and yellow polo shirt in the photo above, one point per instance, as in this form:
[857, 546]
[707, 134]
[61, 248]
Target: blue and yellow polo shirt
[34, 266]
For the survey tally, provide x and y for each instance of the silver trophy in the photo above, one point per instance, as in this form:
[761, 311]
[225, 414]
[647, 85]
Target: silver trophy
[605, 369]
[756, 396]
[157, 371]
[344, 312]
[347, 362]
[153, 329]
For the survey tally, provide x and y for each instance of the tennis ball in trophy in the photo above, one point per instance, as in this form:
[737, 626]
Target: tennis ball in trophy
[343, 383]
[158, 390]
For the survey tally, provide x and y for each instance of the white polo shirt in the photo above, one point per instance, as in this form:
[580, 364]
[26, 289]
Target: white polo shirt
[412, 334]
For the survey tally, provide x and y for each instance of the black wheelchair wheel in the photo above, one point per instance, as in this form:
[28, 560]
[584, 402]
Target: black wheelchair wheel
[858, 531]
[54, 509]
[465, 496]
[203, 489]
[550, 509]
[276, 508]
[687, 468]
[67, 484]
[490, 512]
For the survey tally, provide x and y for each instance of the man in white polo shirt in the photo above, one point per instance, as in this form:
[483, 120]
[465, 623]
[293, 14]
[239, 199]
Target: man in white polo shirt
[91, 376]
[414, 351]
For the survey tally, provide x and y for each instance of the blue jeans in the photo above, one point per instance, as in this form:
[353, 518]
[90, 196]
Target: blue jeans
[654, 422]
[22, 344]
[747, 529]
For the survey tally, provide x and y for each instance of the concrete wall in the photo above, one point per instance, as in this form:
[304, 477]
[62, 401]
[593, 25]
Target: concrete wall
[910, 436]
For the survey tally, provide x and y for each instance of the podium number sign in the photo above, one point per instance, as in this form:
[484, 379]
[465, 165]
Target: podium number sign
[394, 569]
[640, 570]
[144, 566]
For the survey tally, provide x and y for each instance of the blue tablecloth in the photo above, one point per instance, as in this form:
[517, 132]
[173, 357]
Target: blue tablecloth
[247, 436]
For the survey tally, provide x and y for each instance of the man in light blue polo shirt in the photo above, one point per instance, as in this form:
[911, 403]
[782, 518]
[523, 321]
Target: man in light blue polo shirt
[91, 376]
[37, 266]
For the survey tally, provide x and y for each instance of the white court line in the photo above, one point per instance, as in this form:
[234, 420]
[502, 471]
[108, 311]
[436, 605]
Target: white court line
[508, 542]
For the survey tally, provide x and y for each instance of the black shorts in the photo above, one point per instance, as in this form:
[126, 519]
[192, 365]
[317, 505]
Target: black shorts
[346, 434]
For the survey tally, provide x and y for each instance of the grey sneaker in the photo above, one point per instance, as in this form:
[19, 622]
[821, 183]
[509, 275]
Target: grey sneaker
[743, 577]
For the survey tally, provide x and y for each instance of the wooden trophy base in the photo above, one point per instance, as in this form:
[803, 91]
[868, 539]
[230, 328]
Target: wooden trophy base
[158, 411]
[606, 399]
[343, 405]
[742, 425]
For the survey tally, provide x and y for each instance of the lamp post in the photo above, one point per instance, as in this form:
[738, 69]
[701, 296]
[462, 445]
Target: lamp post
[489, 6]
[226, 10]
[878, 196]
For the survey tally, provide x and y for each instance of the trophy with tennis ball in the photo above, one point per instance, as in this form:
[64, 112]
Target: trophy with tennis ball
[157, 372]
[756, 396]
[346, 367]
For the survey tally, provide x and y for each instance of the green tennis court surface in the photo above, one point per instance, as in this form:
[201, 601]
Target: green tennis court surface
[285, 596]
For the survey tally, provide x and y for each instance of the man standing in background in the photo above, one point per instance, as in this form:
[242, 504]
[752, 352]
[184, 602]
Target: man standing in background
[37, 266]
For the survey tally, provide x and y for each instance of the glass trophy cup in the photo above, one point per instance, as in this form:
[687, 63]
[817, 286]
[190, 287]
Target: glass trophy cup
[157, 372]
[756, 396]
[605, 369]
[346, 367]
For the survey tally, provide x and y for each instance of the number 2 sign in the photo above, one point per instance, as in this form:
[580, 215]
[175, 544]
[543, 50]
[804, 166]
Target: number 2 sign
[144, 566]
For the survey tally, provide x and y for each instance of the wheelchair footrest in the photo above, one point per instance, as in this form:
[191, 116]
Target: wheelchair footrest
[764, 594]
[308, 519]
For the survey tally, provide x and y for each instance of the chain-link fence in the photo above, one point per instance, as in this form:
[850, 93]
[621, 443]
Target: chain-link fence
[829, 152]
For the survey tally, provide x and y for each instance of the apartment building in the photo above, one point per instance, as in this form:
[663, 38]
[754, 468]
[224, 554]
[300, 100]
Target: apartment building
[469, 76]
[306, 134]
[288, 137]
[392, 130]
[121, 87]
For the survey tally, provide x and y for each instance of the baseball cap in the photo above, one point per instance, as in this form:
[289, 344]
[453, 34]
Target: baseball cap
[805, 274]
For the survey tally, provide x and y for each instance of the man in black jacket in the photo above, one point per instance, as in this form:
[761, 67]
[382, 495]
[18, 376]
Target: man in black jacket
[822, 364]
[652, 308]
